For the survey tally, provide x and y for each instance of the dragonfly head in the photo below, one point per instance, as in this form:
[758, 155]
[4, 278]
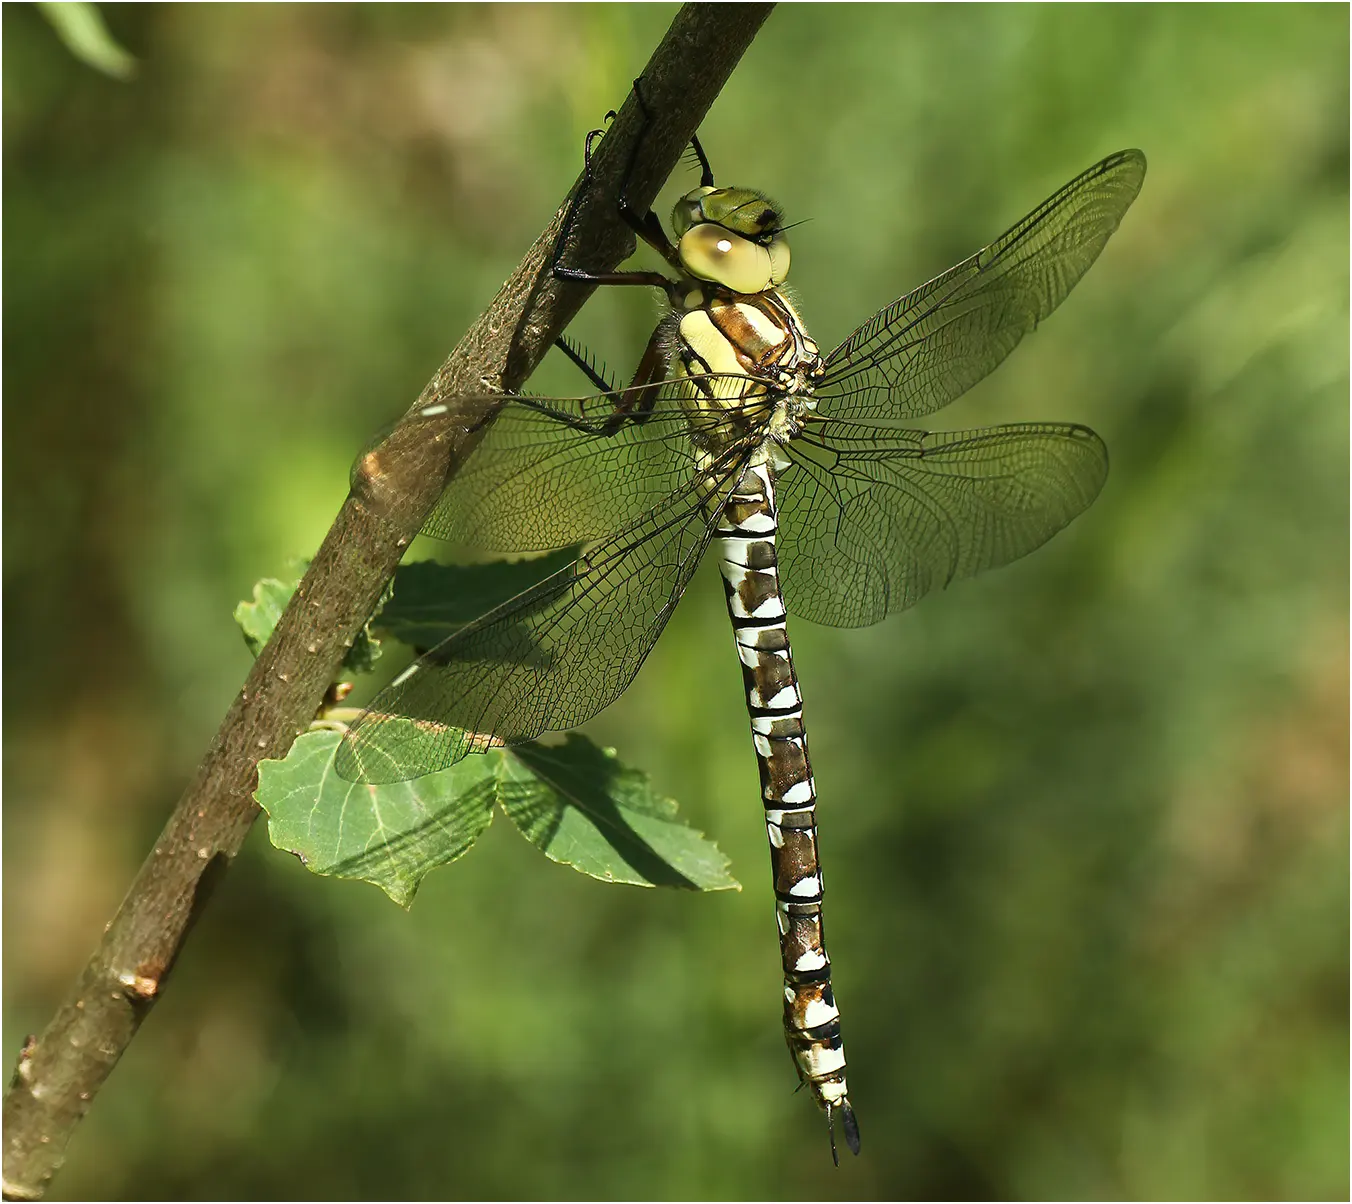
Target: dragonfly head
[732, 236]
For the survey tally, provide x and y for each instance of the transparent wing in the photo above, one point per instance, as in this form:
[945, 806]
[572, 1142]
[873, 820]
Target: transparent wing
[550, 473]
[550, 658]
[929, 347]
[872, 518]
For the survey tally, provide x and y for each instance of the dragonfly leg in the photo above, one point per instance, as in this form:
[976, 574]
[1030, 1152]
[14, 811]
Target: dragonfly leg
[640, 224]
[640, 397]
[649, 219]
[706, 173]
[645, 223]
[585, 363]
[633, 404]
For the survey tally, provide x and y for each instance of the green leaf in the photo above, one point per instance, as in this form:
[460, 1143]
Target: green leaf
[433, 601]
[575, 802]
[257, 619]
[365, 651]
[581, 807]
[81, 29]
[426, 602]
[391, 835]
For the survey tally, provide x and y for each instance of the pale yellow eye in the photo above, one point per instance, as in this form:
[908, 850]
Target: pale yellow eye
[779, 259]
[713, 253]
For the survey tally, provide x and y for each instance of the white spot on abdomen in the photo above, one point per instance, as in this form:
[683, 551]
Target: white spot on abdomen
[757, 521]
[733, 573]
[771, 608]
[737, 548]
[821, 1060]
[820, 1012]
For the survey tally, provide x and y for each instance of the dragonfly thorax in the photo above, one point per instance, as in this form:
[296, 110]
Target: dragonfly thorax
[759, 336]
[752, 367]
[732, 237]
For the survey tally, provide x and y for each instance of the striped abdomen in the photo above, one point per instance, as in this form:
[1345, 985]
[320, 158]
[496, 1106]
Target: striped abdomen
[746, 555]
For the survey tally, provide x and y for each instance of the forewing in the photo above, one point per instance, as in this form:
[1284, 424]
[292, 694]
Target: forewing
[550, 473]
[872, 518]
[929, 347]
[550, 658]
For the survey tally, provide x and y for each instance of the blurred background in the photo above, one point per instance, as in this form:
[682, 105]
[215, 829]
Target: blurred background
[1083, 820]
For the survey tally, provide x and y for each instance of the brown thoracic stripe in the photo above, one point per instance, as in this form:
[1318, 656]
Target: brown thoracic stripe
[780, 343]
[746, 552]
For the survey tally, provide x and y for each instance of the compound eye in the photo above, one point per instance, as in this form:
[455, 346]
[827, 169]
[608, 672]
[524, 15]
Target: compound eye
[778, 251]
[714, 253]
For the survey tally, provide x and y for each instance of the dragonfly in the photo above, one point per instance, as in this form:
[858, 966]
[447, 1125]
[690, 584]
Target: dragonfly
[737, 434]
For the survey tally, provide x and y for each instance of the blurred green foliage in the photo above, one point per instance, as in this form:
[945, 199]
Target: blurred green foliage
[1083, 820]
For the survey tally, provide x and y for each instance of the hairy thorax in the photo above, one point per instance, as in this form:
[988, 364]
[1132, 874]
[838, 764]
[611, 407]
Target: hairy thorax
[764, 362]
